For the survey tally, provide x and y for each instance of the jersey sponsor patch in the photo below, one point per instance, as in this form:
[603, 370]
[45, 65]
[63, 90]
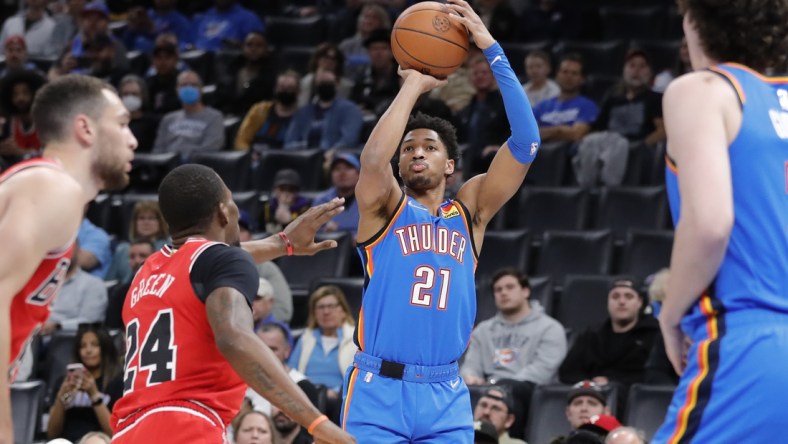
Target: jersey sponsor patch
[451, 212]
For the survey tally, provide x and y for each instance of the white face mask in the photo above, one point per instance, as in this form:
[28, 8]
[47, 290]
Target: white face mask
[132, 103]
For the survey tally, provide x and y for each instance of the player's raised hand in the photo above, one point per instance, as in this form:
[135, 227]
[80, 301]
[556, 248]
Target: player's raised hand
[425, 81]
[301, 231]
[465, 15]
[328, 433]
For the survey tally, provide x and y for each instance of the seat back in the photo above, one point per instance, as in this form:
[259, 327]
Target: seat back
[304, 31]
[27, 400]
[549, 168]
[550, 208]
[308, 164]
[646, 252]
[624, 208]
[503, 249]
[234, 167]
[148, 169]
[583, 302]
[647, 406]
[300, 271]
[632, 22]
[575, 252]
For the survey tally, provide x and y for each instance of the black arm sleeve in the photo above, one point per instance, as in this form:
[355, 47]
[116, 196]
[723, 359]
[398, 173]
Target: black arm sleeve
[224, 266]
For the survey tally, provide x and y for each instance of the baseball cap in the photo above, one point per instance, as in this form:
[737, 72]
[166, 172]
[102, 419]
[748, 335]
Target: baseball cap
[245, 220]
[96, 7]
[15, 40]
[637, 52]
[626, 282]
[287, 176]
[348, 158]
[586, 388]
[601, 424]
[500, 394]
[484, 432]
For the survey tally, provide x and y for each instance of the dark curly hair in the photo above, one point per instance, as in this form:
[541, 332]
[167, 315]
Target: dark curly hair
[750, 32]
[32, 79]
[445, 130]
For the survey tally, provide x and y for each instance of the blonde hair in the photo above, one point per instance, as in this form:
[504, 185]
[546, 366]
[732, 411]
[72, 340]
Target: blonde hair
[656, 291]
[322, 292]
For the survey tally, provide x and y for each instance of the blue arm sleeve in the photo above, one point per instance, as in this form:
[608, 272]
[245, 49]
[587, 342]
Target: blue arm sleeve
[524, 141]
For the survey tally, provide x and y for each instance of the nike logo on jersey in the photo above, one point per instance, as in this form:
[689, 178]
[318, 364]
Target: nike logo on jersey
[497, 58]
[454, 384]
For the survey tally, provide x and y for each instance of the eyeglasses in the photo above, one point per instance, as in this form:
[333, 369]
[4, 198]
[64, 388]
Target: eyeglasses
[326, 306]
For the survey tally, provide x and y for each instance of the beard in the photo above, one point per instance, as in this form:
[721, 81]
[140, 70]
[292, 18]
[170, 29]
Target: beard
[418, 182]
[283, 424]
[108, 167]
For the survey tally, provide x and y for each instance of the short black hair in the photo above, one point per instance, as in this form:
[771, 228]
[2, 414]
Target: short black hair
[59, 101]
[445, 130]
[574, 57]
[189, 195]
[143, 241]
[521, 277]
[274, 326]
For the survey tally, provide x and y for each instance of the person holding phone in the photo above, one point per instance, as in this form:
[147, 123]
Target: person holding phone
[89, 389]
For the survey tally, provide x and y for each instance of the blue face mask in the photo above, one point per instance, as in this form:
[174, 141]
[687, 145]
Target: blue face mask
[189, 95]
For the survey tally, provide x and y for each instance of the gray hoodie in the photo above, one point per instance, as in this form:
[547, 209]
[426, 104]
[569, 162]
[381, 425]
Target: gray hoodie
[529, 350]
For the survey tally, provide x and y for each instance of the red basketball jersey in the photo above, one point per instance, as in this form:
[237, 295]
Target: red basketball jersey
[30, 307]
[171, 354]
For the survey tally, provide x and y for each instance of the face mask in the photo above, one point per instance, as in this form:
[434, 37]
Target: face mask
[326, 91]
[189, 95]
[132, 103]
[286, 98]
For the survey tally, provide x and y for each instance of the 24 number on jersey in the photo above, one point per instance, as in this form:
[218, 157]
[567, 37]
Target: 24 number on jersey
[157, 353]
[423, 290]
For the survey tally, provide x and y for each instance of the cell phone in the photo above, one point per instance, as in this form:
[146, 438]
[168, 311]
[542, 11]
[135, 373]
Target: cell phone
[71, 368]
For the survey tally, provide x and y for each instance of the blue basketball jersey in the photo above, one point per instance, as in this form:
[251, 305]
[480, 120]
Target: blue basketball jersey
[754, 272]
[419, 299]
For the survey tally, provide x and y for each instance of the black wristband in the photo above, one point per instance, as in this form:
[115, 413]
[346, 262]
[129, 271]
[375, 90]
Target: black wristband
[98, 401]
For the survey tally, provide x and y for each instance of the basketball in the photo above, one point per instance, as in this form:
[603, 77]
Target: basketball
[425, 39]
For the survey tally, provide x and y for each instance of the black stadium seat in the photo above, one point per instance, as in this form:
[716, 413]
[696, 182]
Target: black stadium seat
[148, 169]
[234, 167]
[605, 57]
[59, 354]
[295, 57]
[647, 406]
[302, 31]
[646, 252]
[632, 23]
[503, 249]
[300, 271]
[249, 201]
[308, 164]
[549, 168]
[575, 252]
[27, 399]
[550, 208]
[624, 208]
[542, 291]
[583, 302]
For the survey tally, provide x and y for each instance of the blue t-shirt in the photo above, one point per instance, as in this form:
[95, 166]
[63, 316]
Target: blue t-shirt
[214, 27]
[554, 112]
[346, 220]
[322, 367]
[173, 22]
[95, 240]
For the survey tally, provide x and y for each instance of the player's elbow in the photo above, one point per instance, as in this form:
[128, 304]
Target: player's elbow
[711, 228]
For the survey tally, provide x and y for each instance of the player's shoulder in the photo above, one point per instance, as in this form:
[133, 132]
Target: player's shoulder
[703, 85]
[215, 254]
[43, 179]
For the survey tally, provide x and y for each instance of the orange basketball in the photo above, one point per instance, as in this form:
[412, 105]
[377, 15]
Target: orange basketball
[425, 39]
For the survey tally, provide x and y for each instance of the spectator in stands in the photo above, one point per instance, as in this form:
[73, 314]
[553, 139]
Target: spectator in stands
[497, 407]
[287, 430]
[143, 123]
[344, 170]
[544, 20]
[425, 104]
[325, 349]
[35, 25]
[82, 299]
[600, 425]
[263, 304]
[630, 112]
[195, 127]
[266, 123]
[584, 401]
[482, 124]
[18, 135]
[254, 428]
[162, 77]
[379, 81]
[569, 116]
[64, 65]
[146, 223]
[225, 26]
[372, 17]
[67, 25]
[329, 122]
[624, 435]
[499, 17]
[285, 204]
[484, 433]
[100, 53]
[682, 66]
[163, 17]
[85, 398]
[459, 90]
[94, 21]
[138, 251]
[326, 56]
[539, 86]
[16, 58]
[616, 351]
[251, 76]
[95, 438]
[95, 254]
[518, 348]
[278, 338]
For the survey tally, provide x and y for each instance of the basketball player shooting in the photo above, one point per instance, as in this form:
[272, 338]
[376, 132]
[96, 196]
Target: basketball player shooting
[419, 254]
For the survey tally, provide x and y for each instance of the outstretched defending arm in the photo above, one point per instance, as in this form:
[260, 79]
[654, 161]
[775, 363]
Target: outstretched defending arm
[485, 194]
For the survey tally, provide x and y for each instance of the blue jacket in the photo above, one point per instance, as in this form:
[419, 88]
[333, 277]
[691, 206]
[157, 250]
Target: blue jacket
[341, 126]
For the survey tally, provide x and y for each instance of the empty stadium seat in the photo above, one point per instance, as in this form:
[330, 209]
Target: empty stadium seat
[647, 406]
[60, 353]
[549, 168]
[148, 169]
[542, 291]
[234, 167]
[632, 22]
[295, 57]
[305, 31]
[308, 164]
[300, 271]
[646, 252]
[575, 252]
[27, 399]
[549, 208]
[605, 57]
[249, 201]
[583, 302]
[353, 287]
[503, 249]
[624, 208]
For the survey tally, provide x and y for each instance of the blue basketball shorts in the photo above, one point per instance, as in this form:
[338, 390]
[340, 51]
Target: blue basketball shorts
[390, 403]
